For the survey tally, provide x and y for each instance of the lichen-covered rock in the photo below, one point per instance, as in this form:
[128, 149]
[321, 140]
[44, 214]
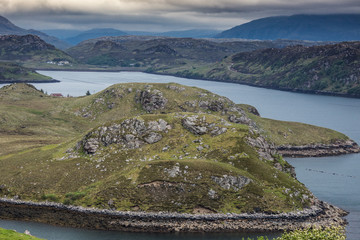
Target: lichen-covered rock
[195, 124]
[151, 100]
[231, 182]
[239, 119]
[199, 126]
[130, 133]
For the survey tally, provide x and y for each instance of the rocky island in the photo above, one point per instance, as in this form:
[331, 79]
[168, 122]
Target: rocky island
[159, 157]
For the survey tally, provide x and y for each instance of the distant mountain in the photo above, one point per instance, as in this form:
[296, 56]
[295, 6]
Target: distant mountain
[340, 27]
[62, 33]
[193, 33]
[95, 33]
[8, 28]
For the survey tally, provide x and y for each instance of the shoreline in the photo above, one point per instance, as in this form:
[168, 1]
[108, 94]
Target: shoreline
[313, 92]
[319, 150]
[29, 81]
[320, 214]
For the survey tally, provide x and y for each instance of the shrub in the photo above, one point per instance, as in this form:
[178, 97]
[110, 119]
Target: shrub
[328, 233]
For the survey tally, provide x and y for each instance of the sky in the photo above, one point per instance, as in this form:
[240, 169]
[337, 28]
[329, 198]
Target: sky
[159, 15]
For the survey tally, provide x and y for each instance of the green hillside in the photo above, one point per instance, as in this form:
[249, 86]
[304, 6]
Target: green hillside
[132, 144]
[11, 72]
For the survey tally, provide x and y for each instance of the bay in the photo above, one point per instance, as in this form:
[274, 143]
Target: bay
[332, 179]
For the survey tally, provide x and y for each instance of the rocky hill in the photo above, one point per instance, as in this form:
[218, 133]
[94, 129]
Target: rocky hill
[158, 53]
[340, 27]
[149, 148]
[11, 72]
[30, 49]
[8, 28]
[325, 69]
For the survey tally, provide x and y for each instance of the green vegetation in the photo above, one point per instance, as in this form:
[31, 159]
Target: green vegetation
[44, 144]
[327, 233]
[11, 72]
[296, 134]
[13, 235]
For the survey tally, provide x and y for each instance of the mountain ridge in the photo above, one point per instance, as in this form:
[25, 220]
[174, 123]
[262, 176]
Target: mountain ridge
[331, 27]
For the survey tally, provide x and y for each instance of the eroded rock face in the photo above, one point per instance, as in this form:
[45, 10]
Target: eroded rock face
[131, 133]
[199, 126]
[265, 150]
[151, 100]
[231, 182]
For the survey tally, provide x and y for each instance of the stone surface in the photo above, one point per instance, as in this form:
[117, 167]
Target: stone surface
[231, 182]
[130, 133]
[151, 100]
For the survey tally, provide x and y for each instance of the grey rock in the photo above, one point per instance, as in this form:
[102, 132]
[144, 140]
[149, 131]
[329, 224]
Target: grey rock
[195, 125]
[131, 133]
[153, 137]
[217, 131]
[239, 119]
[234, 182]
[151, 100]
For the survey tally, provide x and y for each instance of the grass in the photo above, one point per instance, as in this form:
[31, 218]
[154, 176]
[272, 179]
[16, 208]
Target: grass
[13, 235]
[297, 134]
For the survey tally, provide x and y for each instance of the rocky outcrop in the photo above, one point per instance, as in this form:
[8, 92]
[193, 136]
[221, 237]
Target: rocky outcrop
[199, 126]
[231, 182]
[151, 100]
[131, 134]
[319, 150]
[320, 214]
[265, 149]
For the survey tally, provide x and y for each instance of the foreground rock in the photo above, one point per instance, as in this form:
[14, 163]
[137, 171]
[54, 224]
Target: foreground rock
[320, 214]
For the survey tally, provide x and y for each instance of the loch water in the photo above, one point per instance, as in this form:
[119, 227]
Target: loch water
[332, 179]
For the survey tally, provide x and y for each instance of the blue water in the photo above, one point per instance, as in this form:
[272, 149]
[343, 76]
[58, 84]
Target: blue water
[332, 179]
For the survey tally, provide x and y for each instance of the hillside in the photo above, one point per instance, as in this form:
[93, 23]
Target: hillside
[341, 27]
[8, 28]
[159, 53]
[325, 69]
[31, 50]
[11, 72]
[139, 147]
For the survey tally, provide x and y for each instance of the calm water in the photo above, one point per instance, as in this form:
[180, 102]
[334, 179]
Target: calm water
[337, 183]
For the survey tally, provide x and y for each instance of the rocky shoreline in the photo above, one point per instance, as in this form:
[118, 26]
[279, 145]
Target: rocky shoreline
[319, 150]
[320, 214]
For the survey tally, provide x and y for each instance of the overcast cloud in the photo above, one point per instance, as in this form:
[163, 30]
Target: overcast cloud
[159, 15]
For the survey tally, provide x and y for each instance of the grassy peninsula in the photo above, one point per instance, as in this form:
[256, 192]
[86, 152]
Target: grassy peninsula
[130, 145]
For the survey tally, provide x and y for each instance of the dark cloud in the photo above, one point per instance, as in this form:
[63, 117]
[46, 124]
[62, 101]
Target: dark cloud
[159, 15]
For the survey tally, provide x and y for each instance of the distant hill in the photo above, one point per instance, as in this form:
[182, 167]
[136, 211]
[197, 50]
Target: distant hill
[8, 28]
[192, 33]
[341, 27]
[95, 33]
[158, 52]
[76, 36]
[30, 48]
[328, 69]
[11, 73]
